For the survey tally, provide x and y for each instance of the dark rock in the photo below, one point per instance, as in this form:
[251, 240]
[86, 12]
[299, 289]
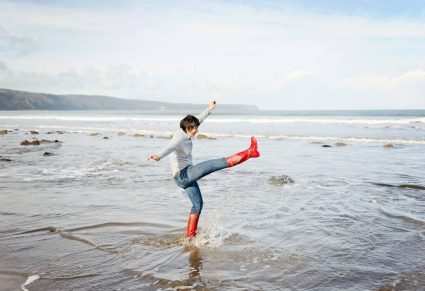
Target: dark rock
[48, 154]
[388, 146]
[34, 132]
[387, 288]
[48, 141]
[57, 132]
[38, 142]
[34, 142]
[412, 186]
[5, 159]
[403, 186]
[281, 180]
[326, 146]
[105, 137]
[53, 132]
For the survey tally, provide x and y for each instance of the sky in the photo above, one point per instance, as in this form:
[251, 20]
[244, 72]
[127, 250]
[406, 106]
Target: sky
[278, 55]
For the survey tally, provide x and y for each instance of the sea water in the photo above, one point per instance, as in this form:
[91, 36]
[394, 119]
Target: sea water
[94, 214]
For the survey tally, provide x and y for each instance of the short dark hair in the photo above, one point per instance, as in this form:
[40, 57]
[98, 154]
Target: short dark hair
[189, 122]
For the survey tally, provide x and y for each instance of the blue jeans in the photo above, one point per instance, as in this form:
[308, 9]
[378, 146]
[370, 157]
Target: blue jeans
[188, 176]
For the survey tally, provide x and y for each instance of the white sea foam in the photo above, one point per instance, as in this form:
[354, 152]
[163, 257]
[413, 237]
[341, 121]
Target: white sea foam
[219, 119]
[167, 133]
[90, 129]
[346, 121]
[95, 169]
[29, 281]
[350, 139]
[324, 138]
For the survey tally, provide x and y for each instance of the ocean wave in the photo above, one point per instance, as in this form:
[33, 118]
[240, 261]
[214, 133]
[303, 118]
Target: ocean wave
[344, 121]
[167, 133]
[89, 118]
[409, 218]
[403, 186]
[349, 139]
[89, 129]
[95, 169]
[221, 120]
[70, 236]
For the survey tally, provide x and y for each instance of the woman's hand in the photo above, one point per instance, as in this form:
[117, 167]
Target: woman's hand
[213, 104]
[154, 157]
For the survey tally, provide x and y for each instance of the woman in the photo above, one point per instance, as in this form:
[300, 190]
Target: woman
[186, 174]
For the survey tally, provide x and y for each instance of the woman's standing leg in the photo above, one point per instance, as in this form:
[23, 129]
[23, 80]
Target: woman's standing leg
[195, 197]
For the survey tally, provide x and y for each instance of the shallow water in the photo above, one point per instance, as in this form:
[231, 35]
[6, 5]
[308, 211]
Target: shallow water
[97, 216]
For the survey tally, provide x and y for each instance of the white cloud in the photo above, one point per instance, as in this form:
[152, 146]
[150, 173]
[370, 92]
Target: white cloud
[409, 79]
[16, 45]
[187, 52]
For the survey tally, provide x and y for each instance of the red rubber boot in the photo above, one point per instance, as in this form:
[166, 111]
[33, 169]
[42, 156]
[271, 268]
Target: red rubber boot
[192, 225]
[251, 152]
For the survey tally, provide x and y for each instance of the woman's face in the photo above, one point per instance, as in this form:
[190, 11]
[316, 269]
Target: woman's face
[192, 132]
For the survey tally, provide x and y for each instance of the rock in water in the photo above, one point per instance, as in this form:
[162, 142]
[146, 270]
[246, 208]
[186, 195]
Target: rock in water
[326, 146]
[48, 154]
[340, 144]
[389, 146]
[57, 132]
[26, 142]
[38, 142]
[281, 180]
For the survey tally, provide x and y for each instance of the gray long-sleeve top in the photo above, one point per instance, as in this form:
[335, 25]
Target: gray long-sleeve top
[180, 147]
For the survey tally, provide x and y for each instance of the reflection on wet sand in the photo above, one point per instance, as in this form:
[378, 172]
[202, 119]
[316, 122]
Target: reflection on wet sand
[195, 261]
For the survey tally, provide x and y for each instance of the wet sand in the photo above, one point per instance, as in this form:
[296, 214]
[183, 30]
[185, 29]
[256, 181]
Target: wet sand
[11, 282]
[95, 215]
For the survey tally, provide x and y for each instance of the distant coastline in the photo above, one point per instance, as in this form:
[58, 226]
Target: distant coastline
[14, 100]
[22, 100]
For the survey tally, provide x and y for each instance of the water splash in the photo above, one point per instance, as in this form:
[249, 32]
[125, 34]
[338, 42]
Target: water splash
[212, 234]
